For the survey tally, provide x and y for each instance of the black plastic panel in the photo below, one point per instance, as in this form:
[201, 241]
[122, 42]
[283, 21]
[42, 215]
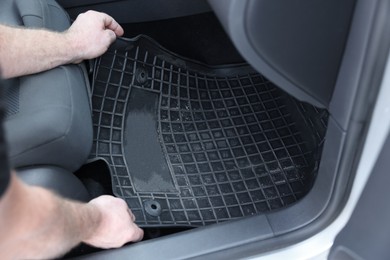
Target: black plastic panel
[302, 40]
[296, 44]
[134, 11]
[75, 3]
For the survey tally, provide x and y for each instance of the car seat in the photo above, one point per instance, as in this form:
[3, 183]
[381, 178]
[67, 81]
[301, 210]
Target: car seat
[48, 121]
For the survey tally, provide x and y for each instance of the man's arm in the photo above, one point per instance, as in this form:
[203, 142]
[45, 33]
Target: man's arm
[27, 51]
[35, 223]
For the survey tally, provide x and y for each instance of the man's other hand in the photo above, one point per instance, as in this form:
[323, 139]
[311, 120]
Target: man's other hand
[91, 34]
[116, 226]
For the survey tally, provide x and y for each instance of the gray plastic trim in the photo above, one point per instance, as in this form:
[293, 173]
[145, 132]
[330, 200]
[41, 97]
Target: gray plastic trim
[372, 208]
[341, 105]
[194, 243]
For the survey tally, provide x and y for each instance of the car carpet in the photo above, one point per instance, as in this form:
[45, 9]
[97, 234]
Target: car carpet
[190, 144]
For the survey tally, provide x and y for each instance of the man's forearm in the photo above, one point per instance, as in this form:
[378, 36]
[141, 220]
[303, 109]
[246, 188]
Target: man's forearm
[37, 224]
[26, 51]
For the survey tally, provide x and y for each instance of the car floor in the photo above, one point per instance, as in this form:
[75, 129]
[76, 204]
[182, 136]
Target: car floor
[189, 135]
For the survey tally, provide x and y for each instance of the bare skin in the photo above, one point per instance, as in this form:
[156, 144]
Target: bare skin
[36, 223]
[27, 51]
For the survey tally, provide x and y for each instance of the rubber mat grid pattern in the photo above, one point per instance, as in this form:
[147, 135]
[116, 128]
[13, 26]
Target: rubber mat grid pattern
[231, 142]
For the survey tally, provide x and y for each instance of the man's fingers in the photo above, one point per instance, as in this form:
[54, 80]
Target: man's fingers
[131, 215]
[111, 24]
[136, 233]
[111, 35]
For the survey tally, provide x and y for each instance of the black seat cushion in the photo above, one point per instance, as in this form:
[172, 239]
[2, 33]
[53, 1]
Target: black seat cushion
[51, 124]
[60, 181]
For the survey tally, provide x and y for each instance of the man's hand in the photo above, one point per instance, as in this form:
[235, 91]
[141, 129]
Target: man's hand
[91, 34]
[37, 224]
[116, 224]
[26, 51]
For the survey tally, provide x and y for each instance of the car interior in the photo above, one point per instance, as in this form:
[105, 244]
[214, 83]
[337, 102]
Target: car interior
[230, 127]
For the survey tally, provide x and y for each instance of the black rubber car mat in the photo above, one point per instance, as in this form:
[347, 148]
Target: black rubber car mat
[191, 145]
